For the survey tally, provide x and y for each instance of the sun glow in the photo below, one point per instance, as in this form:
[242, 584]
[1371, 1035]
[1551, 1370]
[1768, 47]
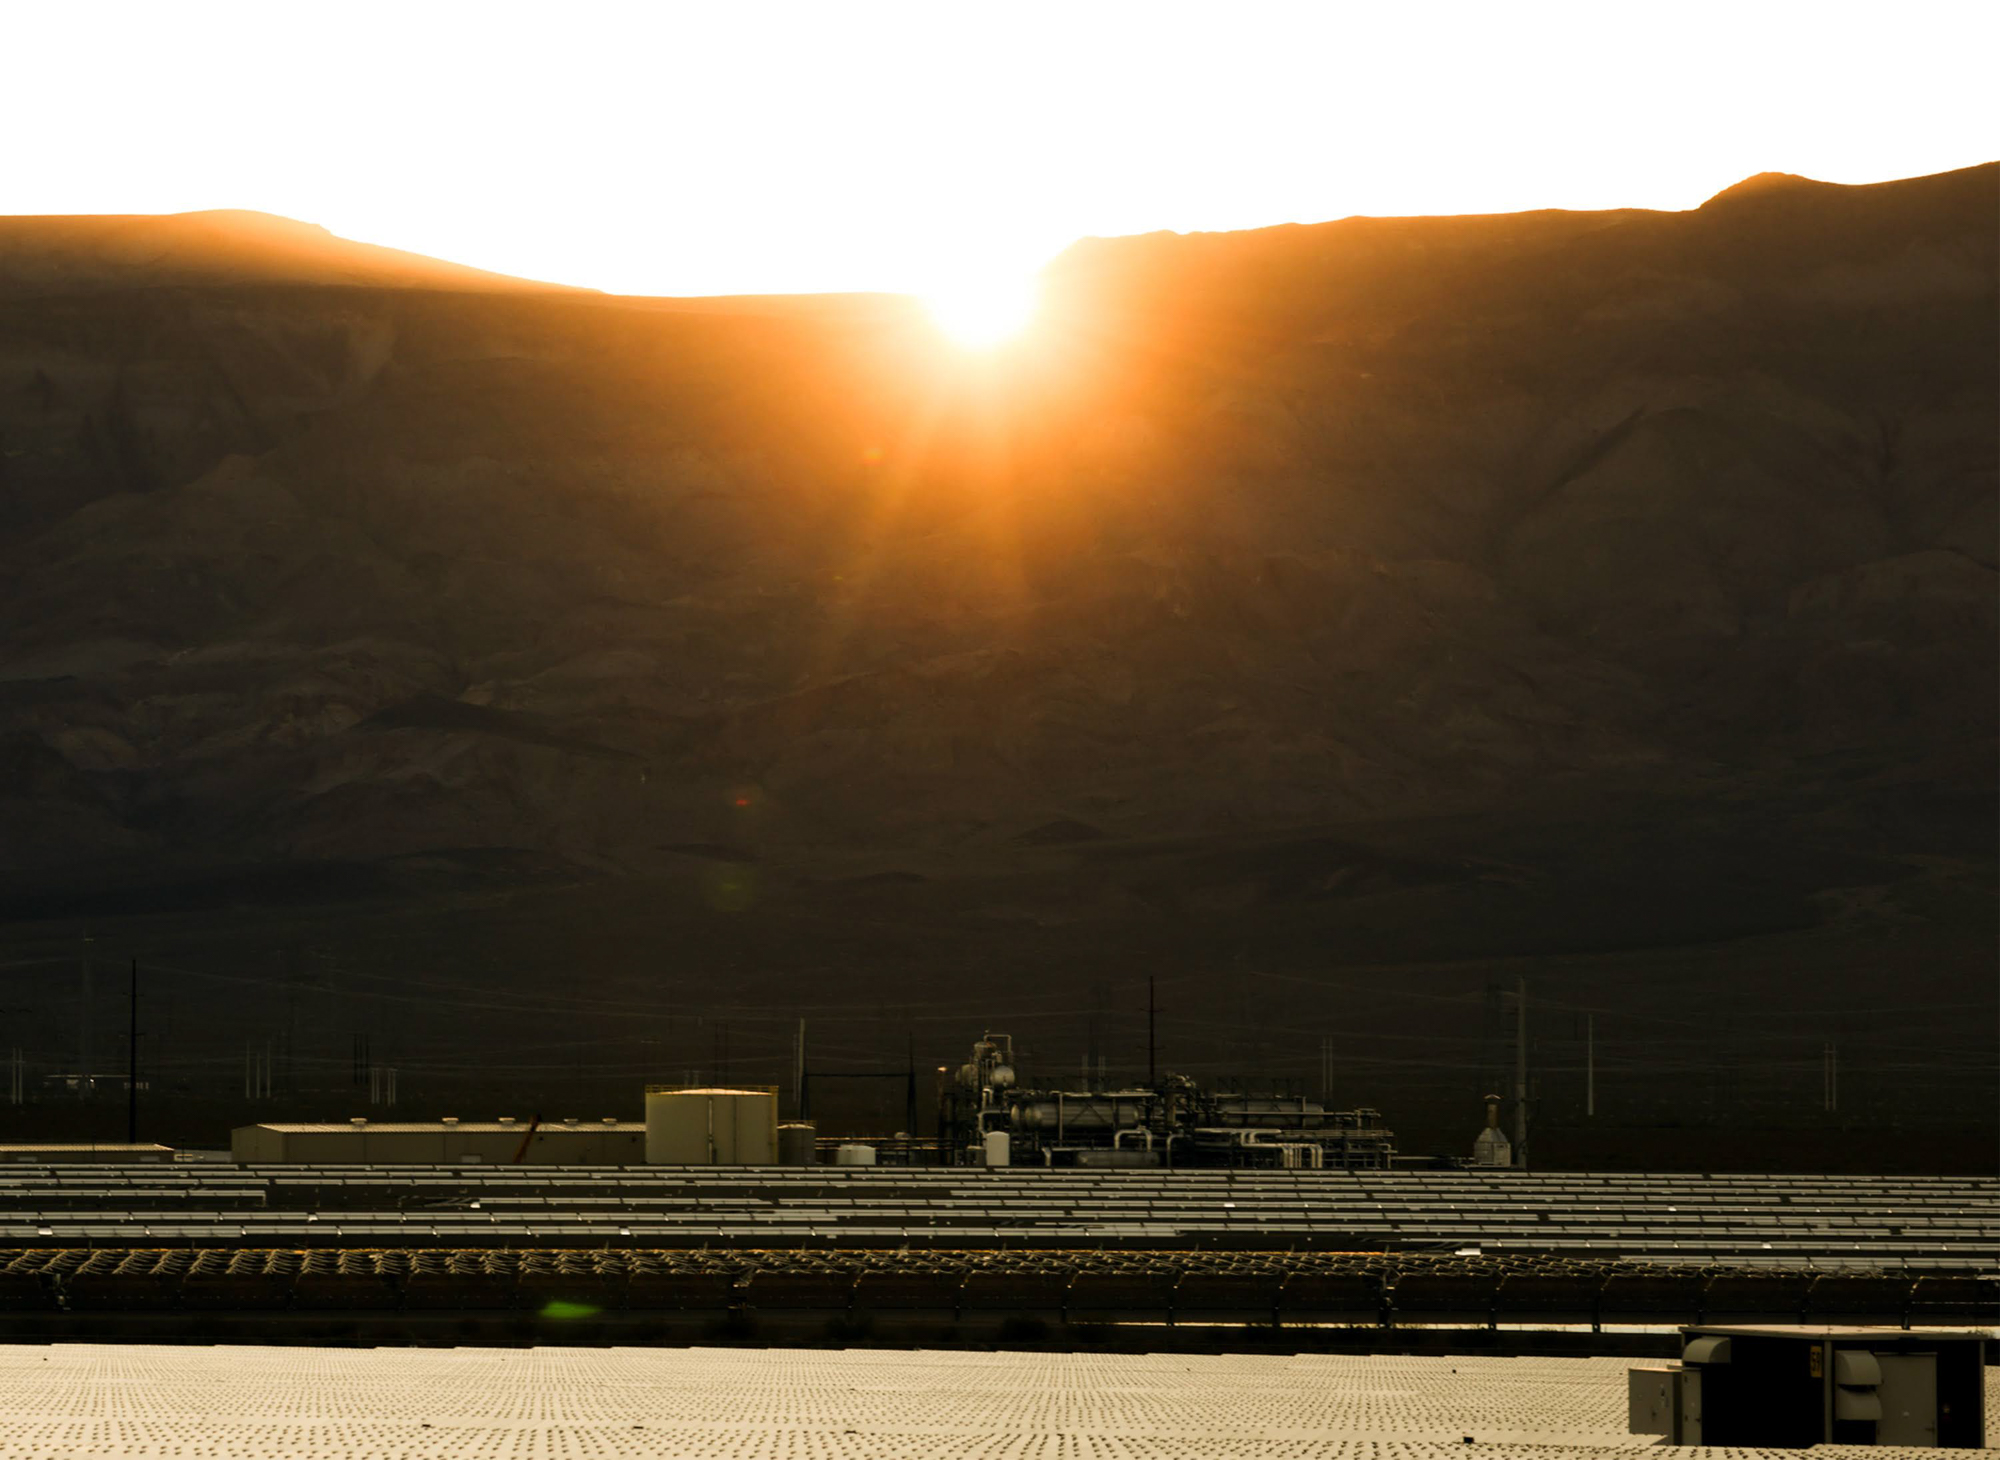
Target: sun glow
[888, 147]
[983, 314]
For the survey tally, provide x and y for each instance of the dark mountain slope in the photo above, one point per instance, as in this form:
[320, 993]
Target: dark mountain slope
[56, 255]
[1425, 593]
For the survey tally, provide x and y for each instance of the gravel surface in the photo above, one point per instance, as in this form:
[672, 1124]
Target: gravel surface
[247, 1403]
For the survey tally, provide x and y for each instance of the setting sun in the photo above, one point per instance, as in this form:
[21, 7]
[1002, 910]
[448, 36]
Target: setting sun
[979, 316]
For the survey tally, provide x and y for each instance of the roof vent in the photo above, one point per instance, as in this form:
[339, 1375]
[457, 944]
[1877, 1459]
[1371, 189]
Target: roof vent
[357, 1120]
[450, 1120]
[506, 1120]
[611, 1120]
[569, 1120]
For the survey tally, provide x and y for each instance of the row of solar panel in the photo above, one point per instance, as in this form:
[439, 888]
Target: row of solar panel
[1820, 1214]
[1454, 1181]
[1980, 1246]
[699, 1179]
[1966, 1224]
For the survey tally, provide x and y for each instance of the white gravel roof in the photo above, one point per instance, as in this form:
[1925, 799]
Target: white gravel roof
[108, 1401]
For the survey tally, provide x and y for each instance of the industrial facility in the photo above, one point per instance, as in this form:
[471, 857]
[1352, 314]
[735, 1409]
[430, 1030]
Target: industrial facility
[986, 1117]
[989, 1118]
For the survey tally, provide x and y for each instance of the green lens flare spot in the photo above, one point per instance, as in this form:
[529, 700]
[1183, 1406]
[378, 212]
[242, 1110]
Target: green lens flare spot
[730, 889]
[559, 1309]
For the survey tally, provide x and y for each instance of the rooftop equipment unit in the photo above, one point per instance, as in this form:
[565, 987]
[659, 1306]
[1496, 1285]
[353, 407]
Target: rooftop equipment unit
[1792, 1387]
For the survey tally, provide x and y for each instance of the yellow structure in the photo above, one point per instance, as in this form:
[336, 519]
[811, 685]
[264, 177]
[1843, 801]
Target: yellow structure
[705, 1126]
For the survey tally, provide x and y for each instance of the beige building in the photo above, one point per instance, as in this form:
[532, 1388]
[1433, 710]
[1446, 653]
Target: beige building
[63, 1153]
[442, 1142]
[703, 1125]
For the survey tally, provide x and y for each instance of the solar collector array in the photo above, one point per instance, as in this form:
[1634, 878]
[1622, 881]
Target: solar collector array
[1900, 1219]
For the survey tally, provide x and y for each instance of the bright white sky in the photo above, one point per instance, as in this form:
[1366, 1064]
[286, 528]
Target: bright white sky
[731, 146]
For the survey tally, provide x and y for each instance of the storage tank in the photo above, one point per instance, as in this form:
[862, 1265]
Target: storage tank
[999, 1148]
[1492, 1148]
[1083, 1111]
[854, 1155]
[711, 1126]
[797, 1142]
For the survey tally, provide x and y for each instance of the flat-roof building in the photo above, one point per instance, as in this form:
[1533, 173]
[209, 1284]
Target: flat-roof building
[442, 1142]
[68, 1152]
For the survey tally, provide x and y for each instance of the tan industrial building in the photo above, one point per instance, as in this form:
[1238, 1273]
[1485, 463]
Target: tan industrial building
[70, 1152]
[441, 1142]
[700, 1126]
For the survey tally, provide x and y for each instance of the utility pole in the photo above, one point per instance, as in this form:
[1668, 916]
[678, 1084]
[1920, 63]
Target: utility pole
[257, 1063]
[1591, 1065]
[1521, 1072]
[289, 1050]
[1152, 1072]
[132, 1063]
[86, 1055]
[1093, 1055]
[799, 1073]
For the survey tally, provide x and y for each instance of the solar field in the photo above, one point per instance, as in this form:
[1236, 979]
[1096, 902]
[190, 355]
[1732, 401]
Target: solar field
[951, 1257]
[1943, 1223]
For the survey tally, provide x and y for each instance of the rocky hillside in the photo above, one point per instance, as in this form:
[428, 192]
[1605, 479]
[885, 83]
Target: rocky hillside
[1369, 592]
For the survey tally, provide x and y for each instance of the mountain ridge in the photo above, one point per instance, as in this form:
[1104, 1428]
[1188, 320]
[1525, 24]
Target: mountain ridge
[60, 253]
[1430, 593]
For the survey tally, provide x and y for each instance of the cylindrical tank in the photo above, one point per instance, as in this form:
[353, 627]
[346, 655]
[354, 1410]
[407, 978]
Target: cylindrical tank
[711, 1127]
[1078, 1112]
[999, 1148]
[854, 1155]
[797, 1142]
